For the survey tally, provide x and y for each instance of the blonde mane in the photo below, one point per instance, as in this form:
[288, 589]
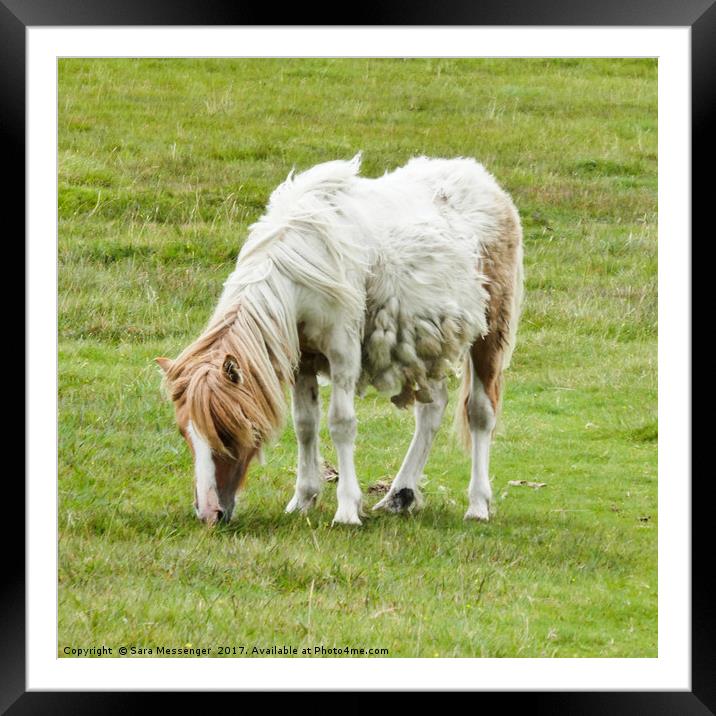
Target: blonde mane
[243, 408]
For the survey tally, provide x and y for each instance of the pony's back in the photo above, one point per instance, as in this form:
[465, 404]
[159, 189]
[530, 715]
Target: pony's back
[429, 224]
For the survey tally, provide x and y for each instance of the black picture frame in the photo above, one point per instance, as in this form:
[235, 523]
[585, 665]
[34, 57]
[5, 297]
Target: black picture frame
[699, 15]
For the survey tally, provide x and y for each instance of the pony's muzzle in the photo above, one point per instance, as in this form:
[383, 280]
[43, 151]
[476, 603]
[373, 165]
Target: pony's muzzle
[213, 509]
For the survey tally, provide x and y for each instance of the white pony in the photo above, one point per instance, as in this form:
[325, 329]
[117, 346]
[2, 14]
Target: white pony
[385, 282]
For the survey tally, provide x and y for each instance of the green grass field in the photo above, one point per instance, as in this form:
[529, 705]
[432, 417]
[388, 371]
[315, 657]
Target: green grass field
[162, 166]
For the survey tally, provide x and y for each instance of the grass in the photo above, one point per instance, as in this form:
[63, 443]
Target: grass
[162, 166]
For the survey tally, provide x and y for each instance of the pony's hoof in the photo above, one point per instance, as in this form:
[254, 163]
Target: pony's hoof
[398, 501]
[347, 516]
[301, 503]
[479, 511]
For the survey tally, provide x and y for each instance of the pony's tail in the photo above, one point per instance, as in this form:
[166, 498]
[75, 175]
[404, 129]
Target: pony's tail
[462, 423]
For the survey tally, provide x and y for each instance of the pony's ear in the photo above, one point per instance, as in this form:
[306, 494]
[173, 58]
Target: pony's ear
[231, 369]
[164, 363]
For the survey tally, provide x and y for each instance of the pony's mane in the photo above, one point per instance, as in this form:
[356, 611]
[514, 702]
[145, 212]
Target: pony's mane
[303, 235]
[231, 413]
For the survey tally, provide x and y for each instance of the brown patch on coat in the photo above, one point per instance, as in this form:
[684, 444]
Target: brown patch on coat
[486, 356]
[501, 264]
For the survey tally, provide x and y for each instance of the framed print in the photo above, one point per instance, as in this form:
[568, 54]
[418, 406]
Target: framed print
[245, 241]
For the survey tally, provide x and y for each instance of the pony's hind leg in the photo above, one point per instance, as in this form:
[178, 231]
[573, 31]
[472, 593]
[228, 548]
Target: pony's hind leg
[404, 493]
[306, 408]
[482, 405]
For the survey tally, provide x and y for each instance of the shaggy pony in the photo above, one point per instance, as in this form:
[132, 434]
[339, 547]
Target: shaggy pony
[387, 282]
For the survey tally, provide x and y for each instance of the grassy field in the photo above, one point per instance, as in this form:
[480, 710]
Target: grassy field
[162, 166]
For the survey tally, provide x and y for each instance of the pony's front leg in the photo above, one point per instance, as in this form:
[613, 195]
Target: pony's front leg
[345, 367]
[306, 421]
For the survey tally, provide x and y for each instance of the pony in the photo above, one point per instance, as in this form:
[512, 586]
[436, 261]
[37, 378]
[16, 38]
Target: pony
[390, 282]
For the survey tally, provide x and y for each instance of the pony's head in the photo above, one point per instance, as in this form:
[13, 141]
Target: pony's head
[224, 419]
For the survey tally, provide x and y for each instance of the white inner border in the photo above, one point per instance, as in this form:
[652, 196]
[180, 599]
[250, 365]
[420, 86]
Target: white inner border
[671, 670]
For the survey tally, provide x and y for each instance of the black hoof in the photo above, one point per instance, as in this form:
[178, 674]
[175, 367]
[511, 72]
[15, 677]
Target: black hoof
[402, 500]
